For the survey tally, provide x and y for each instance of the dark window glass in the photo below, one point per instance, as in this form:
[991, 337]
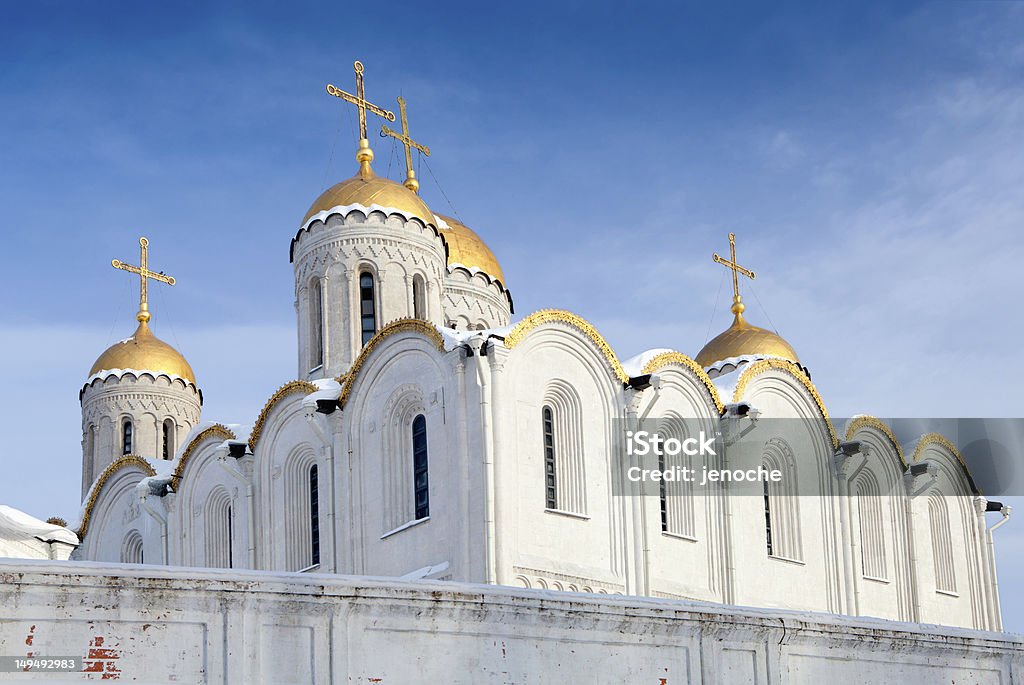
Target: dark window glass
[230, 540]
[316, 323]
[367, 307]
[663, 490]
[166, 450]
[551, 495]
[126, 438]
[314, 514]
[421, 489]
[768, 518]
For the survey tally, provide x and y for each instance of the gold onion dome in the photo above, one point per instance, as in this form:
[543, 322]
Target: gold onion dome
[367, 188]
[465, 247]
[144, 352]
[742, 339]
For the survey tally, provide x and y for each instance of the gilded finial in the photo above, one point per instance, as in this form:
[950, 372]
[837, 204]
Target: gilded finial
[364, 155]
[737, 302]
[145, 275]
[410, 174]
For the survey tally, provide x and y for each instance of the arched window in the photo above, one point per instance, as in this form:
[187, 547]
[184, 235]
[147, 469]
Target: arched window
[419, 297]
[219, 530]
[167, 442]
[90, 442]
[314, 515]
[562, 424]
[781, 503]
[550, 474]
[126, 437]
[131, 548]
[420, 479]
[942, 544]
[677, 509]
[872, 527]
[367, 307]
[316, 324]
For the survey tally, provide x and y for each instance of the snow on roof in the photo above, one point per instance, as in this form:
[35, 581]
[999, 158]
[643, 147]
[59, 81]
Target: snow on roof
[453, 338]
[101, 375]
[329, 389]
[634, 366]
[345, 209]
[16, 525]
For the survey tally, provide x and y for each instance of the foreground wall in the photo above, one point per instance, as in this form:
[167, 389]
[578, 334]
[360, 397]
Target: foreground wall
[145, 624]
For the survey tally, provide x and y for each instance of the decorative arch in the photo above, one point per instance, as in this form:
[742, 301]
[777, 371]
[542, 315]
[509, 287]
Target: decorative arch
[218, 431]
[124, 462]
[863, 422]
[567, 456]
[524, 327]
[298, 509]
[782, 503]
[131, 548]
[868, 493]
[404, 405]
[292, 388]
[943, 441]
[218, 521]
[679, 359]
[676, 497]
[424, 328]
[762, 366]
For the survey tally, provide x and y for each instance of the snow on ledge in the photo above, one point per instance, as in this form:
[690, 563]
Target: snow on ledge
[453, 338]
[344, 210]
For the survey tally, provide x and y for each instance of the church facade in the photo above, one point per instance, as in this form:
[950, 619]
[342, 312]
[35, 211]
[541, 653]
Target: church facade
[429, 436]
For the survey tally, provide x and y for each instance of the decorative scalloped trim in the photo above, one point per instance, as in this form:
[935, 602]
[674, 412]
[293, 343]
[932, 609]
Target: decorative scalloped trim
[119, 373]
[792, 368]
[345, 210]
[672, 357]
[217, 430]
[285, 390]
[524, 327]
[882, 427]
[112, 468]
[394, 328]
[474, 270]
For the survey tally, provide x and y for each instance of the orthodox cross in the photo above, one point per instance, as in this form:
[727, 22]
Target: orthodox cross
[410, 175]
[737, 302]
[360, 101]
[144, 275]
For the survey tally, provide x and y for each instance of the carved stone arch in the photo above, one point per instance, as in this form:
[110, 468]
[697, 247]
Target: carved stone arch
[403, 405]
[676, 497]
[782, 501]
[872, 525]
[295, 497]
[218, 525]
[131, 548]
[569, 450]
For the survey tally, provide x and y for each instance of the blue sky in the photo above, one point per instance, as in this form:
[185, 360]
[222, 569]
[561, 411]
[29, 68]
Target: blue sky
[867, 155]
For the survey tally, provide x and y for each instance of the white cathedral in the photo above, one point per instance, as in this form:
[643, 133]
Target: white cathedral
[428, 435]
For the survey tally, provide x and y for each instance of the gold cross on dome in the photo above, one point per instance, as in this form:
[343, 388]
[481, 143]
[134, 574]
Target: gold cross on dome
[410, 175]
[145, 275]
[736, 271]
[360, 101]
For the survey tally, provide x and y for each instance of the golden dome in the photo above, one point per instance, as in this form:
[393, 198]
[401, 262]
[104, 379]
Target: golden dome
[742, 339]
[367, 188]
[144, 352]
[466, 248]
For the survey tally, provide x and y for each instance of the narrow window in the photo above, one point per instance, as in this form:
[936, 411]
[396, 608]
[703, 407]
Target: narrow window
[90, 442]
[419, 298]
[230, 543]
[126, 438]
[421, 494]
[314, 514]
[316, 324]
[367, 307]
[663, 490]
[942, 545]
[168, 439]
[550, 489]
[768, 519]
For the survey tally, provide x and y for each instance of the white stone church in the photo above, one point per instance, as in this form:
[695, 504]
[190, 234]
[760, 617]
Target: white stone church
[429, 435]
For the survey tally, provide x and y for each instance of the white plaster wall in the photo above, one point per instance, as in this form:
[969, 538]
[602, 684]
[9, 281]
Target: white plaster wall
[474, 301]
[181, 625]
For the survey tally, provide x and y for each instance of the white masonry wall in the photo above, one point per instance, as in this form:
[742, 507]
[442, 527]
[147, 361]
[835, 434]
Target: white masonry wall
[140, 624]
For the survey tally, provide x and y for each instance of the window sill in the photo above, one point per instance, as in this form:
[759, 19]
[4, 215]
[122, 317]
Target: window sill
[679, 536]
[405, 526]
[875, 579]
[948, 593]
[316, 368]
[787, 560]
[309, 569]
[570, 514]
